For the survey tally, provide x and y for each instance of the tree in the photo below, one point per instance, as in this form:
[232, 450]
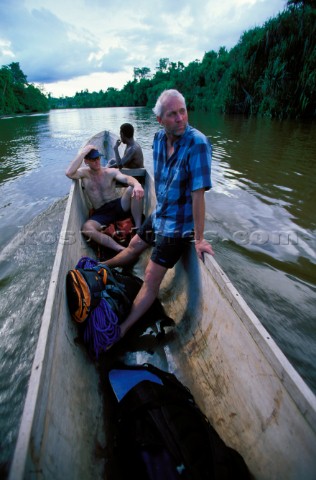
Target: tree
[141, 73]
[302, 3]
[17, 74]
[8, 100]
[16, 95]
[162, 65]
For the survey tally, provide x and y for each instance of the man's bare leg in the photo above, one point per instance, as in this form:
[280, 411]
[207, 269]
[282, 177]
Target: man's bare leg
[135, 205]
[129, 254]
[154, 275]
[91, 229]
[137, 210]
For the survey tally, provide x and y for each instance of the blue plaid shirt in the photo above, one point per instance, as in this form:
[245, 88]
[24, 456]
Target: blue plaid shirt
[188, 169]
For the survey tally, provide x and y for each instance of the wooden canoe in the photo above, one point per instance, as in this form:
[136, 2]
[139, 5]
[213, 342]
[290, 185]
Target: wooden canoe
[239, 377]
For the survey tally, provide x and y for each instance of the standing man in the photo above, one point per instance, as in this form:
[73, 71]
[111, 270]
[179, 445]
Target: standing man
[182, 172]
[100, 187]
[133, 154]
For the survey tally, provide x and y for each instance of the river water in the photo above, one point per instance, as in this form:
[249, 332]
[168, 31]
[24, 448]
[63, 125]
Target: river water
[260, 219]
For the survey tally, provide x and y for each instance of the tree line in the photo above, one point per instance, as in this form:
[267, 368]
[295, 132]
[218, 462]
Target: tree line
[17, 95]
[271, 71]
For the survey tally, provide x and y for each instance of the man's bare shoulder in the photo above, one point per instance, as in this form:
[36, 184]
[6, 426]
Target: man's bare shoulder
[135, 148]
[110, 171]
[138, 146]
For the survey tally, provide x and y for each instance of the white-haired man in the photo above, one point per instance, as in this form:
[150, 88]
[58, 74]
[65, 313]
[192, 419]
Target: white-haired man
[182, 173]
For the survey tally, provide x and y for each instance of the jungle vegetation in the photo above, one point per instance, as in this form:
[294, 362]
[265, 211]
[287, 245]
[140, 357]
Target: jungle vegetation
[271, 71]
[17, 95]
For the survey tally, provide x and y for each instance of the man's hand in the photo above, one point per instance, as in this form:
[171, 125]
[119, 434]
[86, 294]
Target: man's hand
[202, 246]
[112, 163]
[138, 191]
[74, 170]
[86, 149]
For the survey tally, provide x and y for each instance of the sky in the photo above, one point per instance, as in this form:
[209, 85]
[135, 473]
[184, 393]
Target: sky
[66, 46]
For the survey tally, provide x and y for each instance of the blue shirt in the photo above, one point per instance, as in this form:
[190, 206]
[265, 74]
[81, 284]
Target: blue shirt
[188, 169]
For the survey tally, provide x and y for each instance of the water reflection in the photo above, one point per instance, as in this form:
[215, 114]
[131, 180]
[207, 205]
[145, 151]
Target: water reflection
[264, 175]
[19, 145]
[274, 159]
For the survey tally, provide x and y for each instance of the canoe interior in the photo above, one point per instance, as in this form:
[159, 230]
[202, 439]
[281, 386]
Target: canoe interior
[217, 347]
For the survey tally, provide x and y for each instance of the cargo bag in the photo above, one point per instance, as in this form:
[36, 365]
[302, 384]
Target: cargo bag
[121, 231]
[99, 298]
[162, 434]
[84, 289]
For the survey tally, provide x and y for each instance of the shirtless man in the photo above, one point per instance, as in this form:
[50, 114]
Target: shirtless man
[133, 154]
[99, 184]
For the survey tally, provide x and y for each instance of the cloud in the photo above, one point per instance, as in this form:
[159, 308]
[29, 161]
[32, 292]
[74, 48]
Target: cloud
[61, 40]
[47, 48]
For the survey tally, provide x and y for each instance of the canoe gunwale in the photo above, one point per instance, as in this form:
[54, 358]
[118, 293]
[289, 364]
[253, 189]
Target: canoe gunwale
[301, 394]
[39, 366]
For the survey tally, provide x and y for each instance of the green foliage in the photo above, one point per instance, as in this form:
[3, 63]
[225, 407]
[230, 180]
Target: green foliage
[302, 3]
[271, 71]
[17, 74]
[8, 101]
[16, 95]
[273, 68]
[141, 73]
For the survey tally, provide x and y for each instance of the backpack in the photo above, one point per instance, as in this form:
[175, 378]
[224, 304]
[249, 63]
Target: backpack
[84, 289]
[162, 434]
[99, 298]
[89, 282]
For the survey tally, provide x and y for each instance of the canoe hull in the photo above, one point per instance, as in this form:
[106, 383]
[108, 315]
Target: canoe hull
[253, 397]
[241, 380]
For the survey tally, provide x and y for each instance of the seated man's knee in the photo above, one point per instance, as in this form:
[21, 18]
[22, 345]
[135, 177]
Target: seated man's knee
[128, 194]
[126, 199]
[88, 227]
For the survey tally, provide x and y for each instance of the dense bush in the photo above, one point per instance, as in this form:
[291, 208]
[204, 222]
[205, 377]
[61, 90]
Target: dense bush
[271, 71]
[16, 95]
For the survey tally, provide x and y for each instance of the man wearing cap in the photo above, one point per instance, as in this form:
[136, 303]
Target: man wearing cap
[100, 187]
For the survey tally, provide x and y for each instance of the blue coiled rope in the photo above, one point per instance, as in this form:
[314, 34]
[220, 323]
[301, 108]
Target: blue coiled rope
[87, 263]
[102, 328]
